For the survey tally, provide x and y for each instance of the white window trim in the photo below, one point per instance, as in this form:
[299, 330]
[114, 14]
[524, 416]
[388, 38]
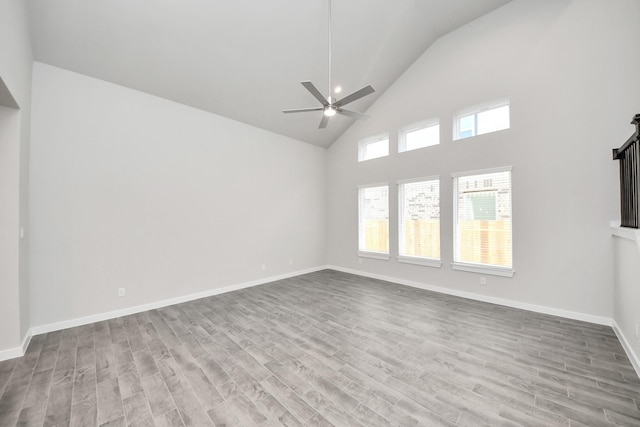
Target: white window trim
[374, 255]
[483, 269]
[370, 254]
[480, 268]
[363, 142]
[402, 148]
[427, 262]
[425, 178]
[377, 184]
[476, 109]
[483, 171]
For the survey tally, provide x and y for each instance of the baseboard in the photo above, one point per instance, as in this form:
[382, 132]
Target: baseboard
[633, 357]
[484, 298]
[12, 353]
[37, 330]
[26, 340]
[43, 329]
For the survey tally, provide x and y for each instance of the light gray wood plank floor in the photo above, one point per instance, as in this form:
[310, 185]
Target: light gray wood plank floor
[324, 349]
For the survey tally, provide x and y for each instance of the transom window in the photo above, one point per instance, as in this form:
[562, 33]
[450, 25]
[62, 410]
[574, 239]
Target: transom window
[480, 119]
[373, 148]
[419, 135]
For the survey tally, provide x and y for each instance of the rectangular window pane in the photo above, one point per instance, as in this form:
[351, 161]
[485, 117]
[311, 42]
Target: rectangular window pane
[483, 219]
[420, 219]
[467, 126]
[420, 137]
[484, 118]
[493, 120]
[374, 219]
[374, 148]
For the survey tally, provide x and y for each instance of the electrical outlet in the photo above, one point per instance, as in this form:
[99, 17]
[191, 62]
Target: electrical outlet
[290, 261]
[483, 280]
[122, 292]
[263, 266]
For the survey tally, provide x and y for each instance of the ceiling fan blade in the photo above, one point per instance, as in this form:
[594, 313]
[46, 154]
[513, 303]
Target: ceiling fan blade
[353, 114]
[302, 110]
[355, 96]
[315, 92]
[323, 122]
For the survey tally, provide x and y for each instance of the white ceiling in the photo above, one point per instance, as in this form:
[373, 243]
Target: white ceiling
[244, 59]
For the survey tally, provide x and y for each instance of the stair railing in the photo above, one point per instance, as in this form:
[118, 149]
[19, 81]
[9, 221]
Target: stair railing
[629, 156]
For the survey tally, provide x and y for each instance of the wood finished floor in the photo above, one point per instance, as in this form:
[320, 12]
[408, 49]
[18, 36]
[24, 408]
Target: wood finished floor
[324, 349]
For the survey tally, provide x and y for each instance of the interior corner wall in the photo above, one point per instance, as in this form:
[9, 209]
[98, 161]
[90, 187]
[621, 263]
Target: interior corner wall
[10, 336]
[570, 71]
[16, 61]
[133, 191]
[627, 293]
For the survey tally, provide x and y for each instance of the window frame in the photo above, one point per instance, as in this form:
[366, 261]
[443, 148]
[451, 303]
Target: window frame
[408, 259]
[473, 267]
[424, 124]
[372, 254]
[362, 146]
[475, 110]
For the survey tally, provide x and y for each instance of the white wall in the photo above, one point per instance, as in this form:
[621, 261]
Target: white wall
[15, 72]
[9, 223]
[570, 69]
[130, 190]
[627, 292]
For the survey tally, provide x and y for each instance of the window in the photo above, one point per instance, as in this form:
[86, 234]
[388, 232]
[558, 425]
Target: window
[374, 221]
[480, 119]
[373, 148]
[419, 135]
[419, 224]
[482, 222]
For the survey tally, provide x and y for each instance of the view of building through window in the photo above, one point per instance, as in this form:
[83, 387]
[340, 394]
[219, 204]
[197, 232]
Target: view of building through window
[374, 219]
[483, 219]
[419, 234]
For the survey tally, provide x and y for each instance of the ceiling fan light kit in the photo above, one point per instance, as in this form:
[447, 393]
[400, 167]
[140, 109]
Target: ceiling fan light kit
[331, 107]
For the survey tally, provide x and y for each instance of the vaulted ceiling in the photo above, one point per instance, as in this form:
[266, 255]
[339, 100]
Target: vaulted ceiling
[244, 59]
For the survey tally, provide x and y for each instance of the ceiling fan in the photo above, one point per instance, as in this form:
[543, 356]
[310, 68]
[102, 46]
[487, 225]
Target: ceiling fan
[331, 106]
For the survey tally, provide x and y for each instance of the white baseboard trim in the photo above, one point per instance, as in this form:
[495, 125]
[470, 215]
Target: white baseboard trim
[633, 357]
[42, 329]
[12, 353]
[484, 298]
[26, 340]
[37, 330]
